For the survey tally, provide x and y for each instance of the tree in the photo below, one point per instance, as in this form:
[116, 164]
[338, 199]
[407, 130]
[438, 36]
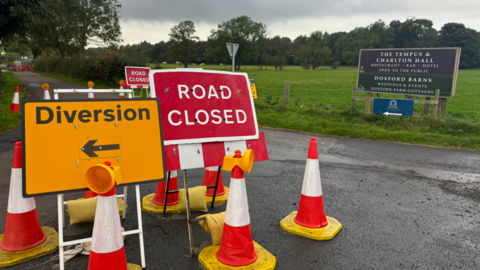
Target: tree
[263, 46]
[182, 42]
[242, 30]
[15, 16]
[413, 33]
[315, 52]
[457, 35]
[70, 25]
[278, 61]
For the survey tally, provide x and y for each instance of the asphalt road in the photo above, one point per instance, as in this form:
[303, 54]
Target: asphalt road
[401, 206]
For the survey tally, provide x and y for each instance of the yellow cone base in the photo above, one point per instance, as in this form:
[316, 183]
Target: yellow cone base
[50, 245]
[265, 260]
[149, 207]
[131, 266]
[219, 199]
[325, 233]
[119, 203]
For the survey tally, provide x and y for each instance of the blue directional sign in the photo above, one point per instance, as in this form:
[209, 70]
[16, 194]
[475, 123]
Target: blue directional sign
[397, 107]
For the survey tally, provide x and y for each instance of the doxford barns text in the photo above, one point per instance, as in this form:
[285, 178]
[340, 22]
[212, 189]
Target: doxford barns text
[409, 71]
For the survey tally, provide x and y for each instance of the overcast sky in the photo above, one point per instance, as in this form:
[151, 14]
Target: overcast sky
[151, 20]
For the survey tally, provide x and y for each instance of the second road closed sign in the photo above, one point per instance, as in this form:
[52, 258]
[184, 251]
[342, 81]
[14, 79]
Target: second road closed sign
[204, 106]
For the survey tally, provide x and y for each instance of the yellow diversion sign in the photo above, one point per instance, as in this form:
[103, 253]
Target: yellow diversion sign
[63, 139]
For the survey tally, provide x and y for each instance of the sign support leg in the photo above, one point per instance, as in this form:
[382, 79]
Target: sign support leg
[166, 194]
[189, 221]
[216, 186]
[124, 213]
[63, 211]
[61, 222]
[140, 225]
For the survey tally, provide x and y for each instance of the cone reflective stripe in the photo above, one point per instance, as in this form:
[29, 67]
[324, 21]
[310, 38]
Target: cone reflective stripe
[14, 107]
[90, 95]
[236, 248]
[159, 198]
[121, 95]
[107, 250]
[311, 213]
[46, 94]
[22, 230]
[210, 178]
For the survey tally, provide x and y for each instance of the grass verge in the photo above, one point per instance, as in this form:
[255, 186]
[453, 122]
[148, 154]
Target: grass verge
[442, 131]
[8, 83]
[320, 103]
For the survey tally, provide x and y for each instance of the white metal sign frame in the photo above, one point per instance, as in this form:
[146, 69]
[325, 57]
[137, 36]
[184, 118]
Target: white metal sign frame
[61, 203]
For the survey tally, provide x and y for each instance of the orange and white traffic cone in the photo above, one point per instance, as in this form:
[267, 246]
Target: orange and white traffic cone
[237, 247]
[24, 239]
[311, 213]
[90, 194]
[90, 95]
[210, 178]
[159, 198]
[107, 251]
[310, 220]
[23, 229]
[121, 95]
[15, 107]
[46, 94]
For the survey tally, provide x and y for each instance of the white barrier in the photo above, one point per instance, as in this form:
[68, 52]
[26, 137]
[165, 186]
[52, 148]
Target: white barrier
[61, 203]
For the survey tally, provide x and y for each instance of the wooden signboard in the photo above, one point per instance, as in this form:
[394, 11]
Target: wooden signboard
[416, 72]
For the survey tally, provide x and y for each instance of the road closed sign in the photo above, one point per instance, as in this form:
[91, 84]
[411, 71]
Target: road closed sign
[137, 76]
[204, 106]
[63, 139]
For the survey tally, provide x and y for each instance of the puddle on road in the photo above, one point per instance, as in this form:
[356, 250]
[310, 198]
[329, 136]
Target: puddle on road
[458, 177]
[34, 85]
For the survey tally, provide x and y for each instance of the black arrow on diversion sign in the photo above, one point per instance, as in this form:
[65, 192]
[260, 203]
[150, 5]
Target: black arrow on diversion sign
[89, 148]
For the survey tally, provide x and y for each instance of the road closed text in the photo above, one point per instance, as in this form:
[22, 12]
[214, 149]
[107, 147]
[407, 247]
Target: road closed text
[203, 117]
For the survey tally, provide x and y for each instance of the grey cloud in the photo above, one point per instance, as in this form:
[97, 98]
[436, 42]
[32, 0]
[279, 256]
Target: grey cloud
[275, 11]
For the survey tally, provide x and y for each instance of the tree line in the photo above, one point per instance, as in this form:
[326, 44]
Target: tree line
[65, 27]
[259, 47]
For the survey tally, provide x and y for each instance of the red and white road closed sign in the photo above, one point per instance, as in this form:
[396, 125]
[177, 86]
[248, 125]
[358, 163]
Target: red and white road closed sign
[137, 76]
[204, 106]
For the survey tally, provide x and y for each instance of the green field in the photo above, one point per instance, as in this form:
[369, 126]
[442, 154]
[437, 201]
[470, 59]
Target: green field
[320, 103]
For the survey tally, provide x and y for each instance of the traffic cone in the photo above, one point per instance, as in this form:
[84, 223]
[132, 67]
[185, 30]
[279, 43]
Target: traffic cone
[46, 94]
[159, 198]
[22, 230]
[121, 95]
[14, 107]
[237, 247]
[107, 251]
[310, 209]
[210, 178]
[90, 95]
[90, 194]
[310, 220]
